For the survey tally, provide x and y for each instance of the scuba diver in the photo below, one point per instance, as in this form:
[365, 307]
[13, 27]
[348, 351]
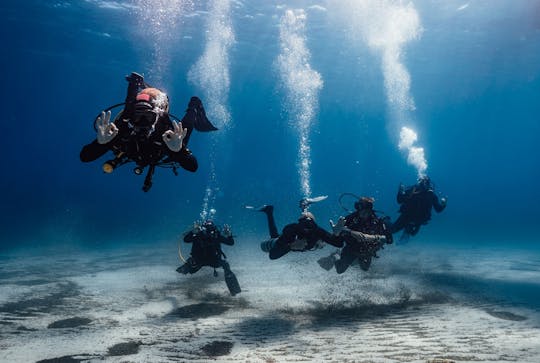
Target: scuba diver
[304, 235]
[364, 234]
[145, 133]
[206, 251]
[416, 203]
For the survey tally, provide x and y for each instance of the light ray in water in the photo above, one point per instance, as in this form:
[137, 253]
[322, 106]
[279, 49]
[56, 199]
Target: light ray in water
[159, 21]
[211, 75]
[302, 85]
[387, 26]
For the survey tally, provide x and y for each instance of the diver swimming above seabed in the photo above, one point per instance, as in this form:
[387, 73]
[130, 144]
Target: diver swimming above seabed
[206, 239]
[145, 133]
[303, 235]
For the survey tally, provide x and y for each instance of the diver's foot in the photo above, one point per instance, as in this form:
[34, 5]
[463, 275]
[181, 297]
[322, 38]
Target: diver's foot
[267, 208]
[365, 262]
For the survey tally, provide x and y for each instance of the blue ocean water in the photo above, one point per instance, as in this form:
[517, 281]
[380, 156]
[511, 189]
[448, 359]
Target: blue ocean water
[464, 76]
[311, 98]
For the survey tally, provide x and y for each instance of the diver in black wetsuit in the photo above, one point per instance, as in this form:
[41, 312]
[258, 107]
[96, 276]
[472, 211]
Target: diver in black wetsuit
[144, 132]
[206, 251]
[416, 203]
[364, 234]
[305, 235]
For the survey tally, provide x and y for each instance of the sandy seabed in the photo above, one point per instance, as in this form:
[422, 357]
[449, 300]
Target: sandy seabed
[416, 304]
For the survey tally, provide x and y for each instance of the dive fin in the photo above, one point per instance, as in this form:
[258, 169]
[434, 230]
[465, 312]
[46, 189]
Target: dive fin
[306, 202]
[232, 283]
[198, 115]
[327, 262]
[263, 208]
[317, 199]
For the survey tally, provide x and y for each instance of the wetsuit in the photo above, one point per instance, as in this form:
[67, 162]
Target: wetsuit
[416, 203]
[142, 148]
[371, 228]
[206, 251]
[305, 229]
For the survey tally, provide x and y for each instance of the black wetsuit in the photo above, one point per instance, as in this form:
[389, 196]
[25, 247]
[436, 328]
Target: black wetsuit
[416, 203]
[305, 229]
[138, 146]
[206, 251]
[364, 251]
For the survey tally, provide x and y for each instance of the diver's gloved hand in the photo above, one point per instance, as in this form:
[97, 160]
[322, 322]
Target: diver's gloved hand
[381, 239]
[227, 231]
[444, 201]
[339, 226]
[106, 131]
[298, 245]
[196, 228]
[173, 139]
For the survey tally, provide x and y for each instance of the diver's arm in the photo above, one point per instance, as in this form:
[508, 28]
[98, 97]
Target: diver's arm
[329, 238]
[190, 237]
[194, 234]
[185, 158]
[226, 237]
[135, 83]
[227, 240]
[367, 238]
[93, 151]
[385, 229]
[438, 205]
[289, 234]
[400, 197]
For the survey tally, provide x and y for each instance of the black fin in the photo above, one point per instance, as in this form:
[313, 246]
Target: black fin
[232, 283]
[197, 116]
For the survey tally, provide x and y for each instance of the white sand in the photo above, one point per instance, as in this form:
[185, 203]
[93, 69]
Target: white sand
[413, 305]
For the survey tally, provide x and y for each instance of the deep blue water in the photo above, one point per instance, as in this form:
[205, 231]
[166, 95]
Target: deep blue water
[474, 72]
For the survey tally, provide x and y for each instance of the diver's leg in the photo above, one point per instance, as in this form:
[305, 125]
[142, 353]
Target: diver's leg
[414, 228]
[365, 262]
[230, 279]
[346, 259]
[190, 267]
[274, 248]
[269, 211]
[278, 250]
[398, 225]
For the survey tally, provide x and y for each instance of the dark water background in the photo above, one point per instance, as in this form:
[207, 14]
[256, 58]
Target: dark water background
[475, 80]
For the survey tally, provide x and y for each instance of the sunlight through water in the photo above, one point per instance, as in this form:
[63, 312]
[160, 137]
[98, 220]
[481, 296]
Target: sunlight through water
[159, 22]
[211, 75]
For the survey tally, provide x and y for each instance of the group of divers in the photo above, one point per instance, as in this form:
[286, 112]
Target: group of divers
[144, 132]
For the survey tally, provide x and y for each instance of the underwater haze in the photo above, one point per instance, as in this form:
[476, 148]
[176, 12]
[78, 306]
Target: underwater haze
[311, 98]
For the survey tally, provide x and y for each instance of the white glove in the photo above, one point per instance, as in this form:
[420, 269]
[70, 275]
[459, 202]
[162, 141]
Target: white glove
[173, 139]
[298, 245]
[227, 231]
[106, 131]
[339, 226]
[444, 201]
